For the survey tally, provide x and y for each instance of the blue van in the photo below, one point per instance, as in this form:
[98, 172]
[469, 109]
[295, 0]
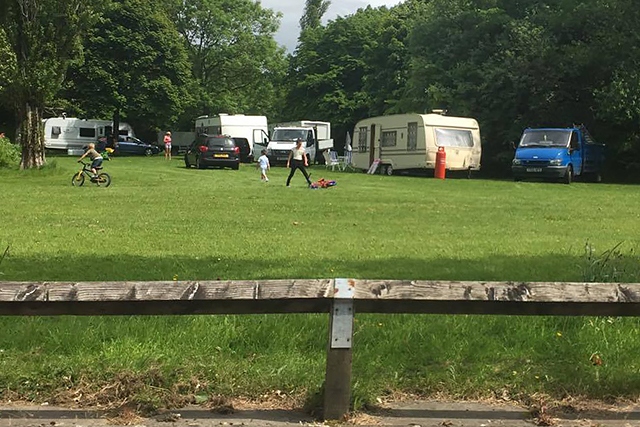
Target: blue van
[559, 154]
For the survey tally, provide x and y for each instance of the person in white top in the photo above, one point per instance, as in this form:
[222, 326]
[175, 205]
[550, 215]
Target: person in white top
[263, 163]
[298, 160]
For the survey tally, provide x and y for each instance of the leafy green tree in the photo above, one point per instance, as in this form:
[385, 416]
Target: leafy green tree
[314, 10]
[327, 72]
[136, 68]
[236, 61]
[44, 36]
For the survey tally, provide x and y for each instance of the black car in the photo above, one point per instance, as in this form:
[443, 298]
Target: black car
[132, 145]
[245, 149]
[207, 151]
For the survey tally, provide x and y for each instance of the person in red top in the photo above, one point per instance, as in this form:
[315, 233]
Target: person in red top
[167, 145]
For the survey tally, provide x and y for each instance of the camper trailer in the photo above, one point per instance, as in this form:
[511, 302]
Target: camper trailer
[411, 141]
[253, 128]
[73, 134]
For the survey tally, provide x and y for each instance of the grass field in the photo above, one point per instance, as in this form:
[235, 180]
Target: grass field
[160, 221]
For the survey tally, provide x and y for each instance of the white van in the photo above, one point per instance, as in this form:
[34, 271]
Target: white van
[73, 134]
[411, 141]
[253, 128]
[316, 134]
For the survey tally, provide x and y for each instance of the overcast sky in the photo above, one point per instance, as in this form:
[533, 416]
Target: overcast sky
[292, 10]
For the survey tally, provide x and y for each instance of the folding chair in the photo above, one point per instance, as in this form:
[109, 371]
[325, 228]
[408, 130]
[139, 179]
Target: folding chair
[333, 161]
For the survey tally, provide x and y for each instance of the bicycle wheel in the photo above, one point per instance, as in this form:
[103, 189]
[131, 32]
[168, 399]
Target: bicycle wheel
[77, 180]
[104, 180]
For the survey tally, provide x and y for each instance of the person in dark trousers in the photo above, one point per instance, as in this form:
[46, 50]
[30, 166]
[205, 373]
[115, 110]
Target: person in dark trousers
[298, 160]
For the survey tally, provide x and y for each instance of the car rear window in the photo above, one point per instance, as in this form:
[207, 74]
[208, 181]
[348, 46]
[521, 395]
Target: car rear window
[220, 142]
[241, 142]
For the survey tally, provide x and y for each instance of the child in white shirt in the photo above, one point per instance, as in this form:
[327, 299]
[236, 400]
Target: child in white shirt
[263, 163]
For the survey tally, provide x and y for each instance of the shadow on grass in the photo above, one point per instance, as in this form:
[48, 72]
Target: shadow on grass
[552, 267]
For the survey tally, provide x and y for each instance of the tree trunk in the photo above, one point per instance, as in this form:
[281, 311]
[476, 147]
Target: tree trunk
[31, 137]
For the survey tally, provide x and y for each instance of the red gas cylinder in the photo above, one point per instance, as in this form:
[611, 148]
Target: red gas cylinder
[441, 163]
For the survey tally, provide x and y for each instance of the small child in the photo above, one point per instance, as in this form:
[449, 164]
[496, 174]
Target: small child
[96, 158]
[263, 163]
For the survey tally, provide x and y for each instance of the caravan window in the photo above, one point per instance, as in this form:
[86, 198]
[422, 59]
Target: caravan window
[389, 138]
[87, 132]
[453, 138]
[412, 136]
[362, 140]
[55, 130]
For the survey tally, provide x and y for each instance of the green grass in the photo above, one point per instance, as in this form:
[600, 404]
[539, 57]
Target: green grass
[159, 220]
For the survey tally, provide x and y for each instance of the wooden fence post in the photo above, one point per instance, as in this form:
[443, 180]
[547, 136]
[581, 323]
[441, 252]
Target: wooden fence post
[337, 384]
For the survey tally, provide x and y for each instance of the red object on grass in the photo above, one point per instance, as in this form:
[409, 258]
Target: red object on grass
[441, 163]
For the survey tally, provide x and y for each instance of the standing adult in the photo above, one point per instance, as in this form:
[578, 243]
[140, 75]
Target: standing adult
[298, 160]
[167, 145]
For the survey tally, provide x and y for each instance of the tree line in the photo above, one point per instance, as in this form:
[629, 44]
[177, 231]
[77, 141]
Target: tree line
[158, 64]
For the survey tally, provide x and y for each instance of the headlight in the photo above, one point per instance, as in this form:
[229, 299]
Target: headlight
[516, 162]
[555, 162]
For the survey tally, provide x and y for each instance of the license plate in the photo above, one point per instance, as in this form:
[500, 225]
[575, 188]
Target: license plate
[534, 169]
[221, 155]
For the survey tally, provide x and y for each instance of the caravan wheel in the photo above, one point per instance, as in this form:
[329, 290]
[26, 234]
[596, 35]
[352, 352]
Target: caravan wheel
[389, 170]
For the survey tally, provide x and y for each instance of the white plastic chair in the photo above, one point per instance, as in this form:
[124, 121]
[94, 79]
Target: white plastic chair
[333, 161]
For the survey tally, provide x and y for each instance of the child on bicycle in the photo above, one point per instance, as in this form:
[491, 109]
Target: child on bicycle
[96, 158]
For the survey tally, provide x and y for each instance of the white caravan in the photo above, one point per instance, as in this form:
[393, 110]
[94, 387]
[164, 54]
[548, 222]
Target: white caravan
[253, 128]
[411, 141]
[284, 135]
[69, 133]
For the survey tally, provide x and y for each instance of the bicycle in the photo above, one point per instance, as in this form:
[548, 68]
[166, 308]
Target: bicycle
[102, 179]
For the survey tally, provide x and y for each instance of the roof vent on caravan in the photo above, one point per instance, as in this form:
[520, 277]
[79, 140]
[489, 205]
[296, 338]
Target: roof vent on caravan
[439, 111]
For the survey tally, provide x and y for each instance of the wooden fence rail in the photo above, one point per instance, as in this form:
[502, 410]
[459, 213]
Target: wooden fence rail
[341, 298]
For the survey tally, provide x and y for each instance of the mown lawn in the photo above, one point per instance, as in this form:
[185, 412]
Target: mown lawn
[160, 221]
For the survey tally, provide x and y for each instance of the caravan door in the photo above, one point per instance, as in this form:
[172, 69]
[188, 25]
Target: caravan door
[372, 144]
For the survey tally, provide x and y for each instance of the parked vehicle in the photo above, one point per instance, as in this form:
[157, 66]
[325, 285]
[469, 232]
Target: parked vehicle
[73, 134]
[284, 136]
[245, 149]
[253, 128]
[206, 151]
[559, 154]
[411, 141]
[132, 145]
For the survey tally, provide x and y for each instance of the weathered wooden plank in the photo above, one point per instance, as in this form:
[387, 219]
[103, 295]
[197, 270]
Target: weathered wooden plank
[314, 295]
[165, 291]
[321, 288]
[497, 291]
[101, 308]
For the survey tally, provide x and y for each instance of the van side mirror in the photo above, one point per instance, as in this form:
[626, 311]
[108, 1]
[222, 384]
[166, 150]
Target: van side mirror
[266, 140]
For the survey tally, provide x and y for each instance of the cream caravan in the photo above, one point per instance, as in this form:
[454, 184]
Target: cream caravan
[411, 141]
[70, 133]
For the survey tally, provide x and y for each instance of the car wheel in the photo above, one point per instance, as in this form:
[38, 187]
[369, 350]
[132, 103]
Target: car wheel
[186, 163]
[199, 164]
[236, 166]
[568, 176]
[148, 152]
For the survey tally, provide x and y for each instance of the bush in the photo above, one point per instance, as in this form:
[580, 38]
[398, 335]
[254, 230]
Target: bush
[9, 154]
